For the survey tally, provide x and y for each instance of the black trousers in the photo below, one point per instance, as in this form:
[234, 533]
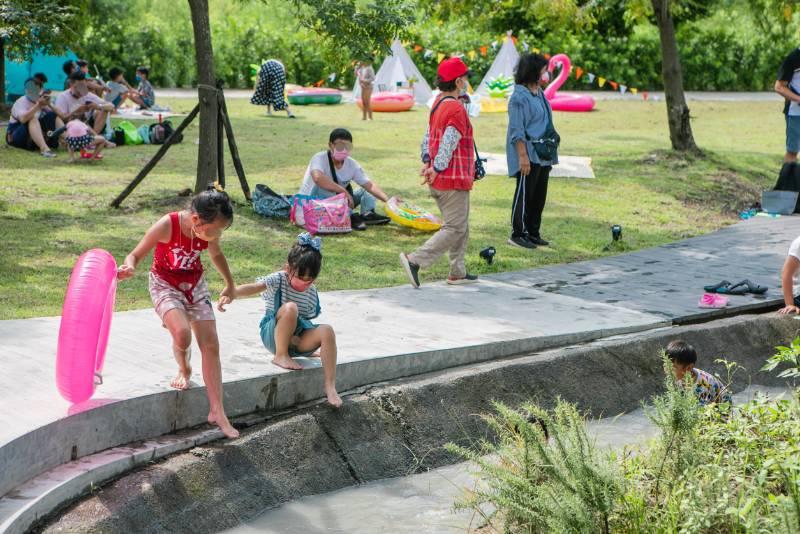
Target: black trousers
[529, 199]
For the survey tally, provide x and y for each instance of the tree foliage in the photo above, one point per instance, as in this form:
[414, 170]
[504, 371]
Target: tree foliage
[27, 26]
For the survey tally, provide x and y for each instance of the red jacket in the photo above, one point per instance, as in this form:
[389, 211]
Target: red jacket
[460, 173]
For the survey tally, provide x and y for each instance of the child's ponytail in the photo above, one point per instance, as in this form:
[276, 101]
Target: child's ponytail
[211, 204]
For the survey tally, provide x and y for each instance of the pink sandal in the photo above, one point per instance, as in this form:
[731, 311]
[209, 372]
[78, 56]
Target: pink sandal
[712, 300]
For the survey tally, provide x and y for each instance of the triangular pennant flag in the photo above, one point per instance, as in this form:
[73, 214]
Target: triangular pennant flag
[547, 56]
[319, 83]
[494, 45]
[578, 73]
[623, 88]
[472, 54]
[439, 57]
[634, 90]
[601, 81]
[332, 77]
[590, 77]
[645, 95]
[483, 50]
[536, 50]
[428, 54]
[514, 40]
[417, 48]
[525, 46]
[613, 84]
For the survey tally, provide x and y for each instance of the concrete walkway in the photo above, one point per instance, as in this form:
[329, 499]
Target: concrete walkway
[383, 334]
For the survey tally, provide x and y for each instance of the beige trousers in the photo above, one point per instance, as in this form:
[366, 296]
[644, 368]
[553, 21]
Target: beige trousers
[451, 237]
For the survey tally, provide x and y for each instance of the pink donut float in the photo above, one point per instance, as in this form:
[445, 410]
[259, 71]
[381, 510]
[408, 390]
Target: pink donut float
[389, 102]
[85, 323]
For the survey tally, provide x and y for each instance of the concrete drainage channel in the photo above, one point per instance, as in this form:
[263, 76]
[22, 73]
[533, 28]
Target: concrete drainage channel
[385, 430]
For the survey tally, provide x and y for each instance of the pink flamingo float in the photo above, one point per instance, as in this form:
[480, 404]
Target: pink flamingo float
[565, 101]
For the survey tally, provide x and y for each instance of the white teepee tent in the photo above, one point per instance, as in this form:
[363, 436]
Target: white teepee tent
[398, 67]
[504, 64]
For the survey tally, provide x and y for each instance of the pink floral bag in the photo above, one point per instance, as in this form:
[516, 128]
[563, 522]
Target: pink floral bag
[323, 215]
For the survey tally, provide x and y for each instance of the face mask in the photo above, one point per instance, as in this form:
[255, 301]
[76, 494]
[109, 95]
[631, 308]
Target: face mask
[463, 90]
[300, 285]
[545, 78]
[341, 155]
[80, 92]
[138, 78]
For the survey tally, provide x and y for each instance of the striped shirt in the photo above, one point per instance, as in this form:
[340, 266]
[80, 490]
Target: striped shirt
[307, 301]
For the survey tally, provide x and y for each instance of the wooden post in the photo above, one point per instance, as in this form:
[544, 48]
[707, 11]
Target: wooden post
[234, 150]
[152, 163]
[220, 143]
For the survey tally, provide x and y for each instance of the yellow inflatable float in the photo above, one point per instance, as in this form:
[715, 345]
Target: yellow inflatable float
[412, 216]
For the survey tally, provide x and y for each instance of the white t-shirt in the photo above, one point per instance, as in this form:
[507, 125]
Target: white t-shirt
[20, 108]
[350, 170]
[66, 103]
[794, 250]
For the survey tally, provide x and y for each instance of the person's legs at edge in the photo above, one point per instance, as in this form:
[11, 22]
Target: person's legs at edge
[518, 207]
[206, 334]
[792, 138]
[365, 200]
[36, 134]
[99, 121]
[323, 338]
[286, 322]
[177, 322]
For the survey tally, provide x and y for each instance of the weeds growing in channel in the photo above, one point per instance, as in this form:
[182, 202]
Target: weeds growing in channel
[711, 469]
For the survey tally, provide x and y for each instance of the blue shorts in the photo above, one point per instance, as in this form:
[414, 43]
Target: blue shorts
[267, 328]
[793, 133]
[17, 134]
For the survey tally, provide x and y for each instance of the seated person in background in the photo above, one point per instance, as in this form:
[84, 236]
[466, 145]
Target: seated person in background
[119, 88]
[79, 103]
[95, 86]
[32, 118]
[708, 388]
[790, 268]
[79, 136]
[144, 95]
[330, 173]
[68, 67]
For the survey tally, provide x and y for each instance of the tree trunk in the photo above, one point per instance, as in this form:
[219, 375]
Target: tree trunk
[206, 90]
[680, 127]
[2, 73]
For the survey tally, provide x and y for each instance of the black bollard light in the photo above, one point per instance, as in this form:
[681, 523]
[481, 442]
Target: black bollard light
[488, 254]
[616, 232]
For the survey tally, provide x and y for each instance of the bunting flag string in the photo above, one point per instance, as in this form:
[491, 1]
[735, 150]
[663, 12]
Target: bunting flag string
[601, 81]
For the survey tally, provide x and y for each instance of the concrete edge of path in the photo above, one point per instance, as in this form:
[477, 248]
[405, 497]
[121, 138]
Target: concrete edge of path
[101, 424]
[386, 430]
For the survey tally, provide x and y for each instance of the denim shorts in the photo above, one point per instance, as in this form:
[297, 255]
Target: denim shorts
[793, 133]
[267, 328]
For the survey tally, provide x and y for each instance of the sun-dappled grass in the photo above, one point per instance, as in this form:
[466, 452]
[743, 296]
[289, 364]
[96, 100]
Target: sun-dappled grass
[51, 211]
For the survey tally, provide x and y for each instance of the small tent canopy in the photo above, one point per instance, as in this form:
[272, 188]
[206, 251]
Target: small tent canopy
[504, 64]
[399, 67]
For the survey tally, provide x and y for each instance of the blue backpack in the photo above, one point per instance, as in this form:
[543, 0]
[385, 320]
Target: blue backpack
[268, 203]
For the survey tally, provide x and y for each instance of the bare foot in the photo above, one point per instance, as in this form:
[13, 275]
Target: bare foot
[333, 398]
[181, 380]
[223, 424]
[287, 363]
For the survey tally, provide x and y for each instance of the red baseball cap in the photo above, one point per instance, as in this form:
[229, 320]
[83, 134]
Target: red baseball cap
[452, 68]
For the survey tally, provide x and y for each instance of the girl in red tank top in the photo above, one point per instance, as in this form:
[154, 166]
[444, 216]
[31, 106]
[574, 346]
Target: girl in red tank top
[179, 290]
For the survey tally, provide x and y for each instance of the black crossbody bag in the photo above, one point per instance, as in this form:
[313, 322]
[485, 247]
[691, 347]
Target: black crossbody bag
[480, 172]
[546, 147]
[349, 187]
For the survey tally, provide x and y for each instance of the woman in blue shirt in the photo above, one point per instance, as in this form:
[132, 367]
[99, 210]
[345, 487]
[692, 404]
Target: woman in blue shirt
[529, 114]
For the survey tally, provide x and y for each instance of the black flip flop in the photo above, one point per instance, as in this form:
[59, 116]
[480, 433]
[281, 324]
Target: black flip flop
[755, 289]
[738, 289]
[721, 287]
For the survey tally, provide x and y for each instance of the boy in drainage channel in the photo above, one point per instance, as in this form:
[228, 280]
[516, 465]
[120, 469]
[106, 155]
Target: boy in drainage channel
[707, 388]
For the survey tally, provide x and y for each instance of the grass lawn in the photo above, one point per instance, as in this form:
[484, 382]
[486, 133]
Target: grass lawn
[51, 211]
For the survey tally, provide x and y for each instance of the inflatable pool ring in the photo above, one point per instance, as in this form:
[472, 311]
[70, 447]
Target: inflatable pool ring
[389, 102]
[565, 101]
[406, 214]
[85, 323]
[314, 95]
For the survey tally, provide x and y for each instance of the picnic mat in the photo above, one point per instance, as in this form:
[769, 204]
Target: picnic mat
[568, 166]
[144, 114]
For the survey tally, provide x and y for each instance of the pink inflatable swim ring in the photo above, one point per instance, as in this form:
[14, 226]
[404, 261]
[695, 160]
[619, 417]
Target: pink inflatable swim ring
[565, 101]
[386, 101]
[85, 323]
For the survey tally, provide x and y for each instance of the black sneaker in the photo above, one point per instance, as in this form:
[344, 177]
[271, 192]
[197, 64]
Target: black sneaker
[412, 270]
[357, 222]
[371, 218]
[521, 242]
[466, 279]
[538, 241]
